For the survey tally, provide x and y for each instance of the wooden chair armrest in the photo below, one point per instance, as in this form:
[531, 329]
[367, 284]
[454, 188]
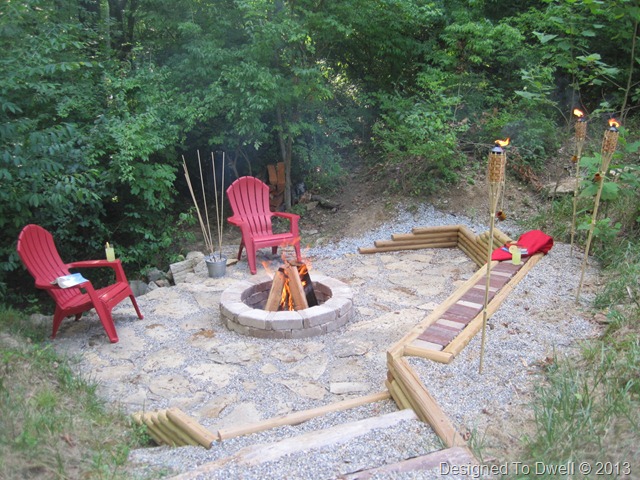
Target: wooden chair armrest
[290, 216]
[237, 221]
[116, 265]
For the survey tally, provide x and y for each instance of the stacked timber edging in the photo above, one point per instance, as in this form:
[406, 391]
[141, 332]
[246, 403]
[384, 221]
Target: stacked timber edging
[476, 247]
[445, 332]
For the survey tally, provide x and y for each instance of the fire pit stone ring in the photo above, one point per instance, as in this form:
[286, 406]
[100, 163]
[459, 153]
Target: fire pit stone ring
[242, 309]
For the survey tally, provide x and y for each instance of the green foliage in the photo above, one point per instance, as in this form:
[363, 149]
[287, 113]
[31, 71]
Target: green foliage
[418, 142]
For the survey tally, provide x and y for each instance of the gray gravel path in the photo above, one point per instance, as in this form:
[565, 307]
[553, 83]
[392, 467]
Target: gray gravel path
[182, 356]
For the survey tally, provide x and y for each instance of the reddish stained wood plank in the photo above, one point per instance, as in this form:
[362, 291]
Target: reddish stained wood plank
[476, 295]
[507, 267]
[494, 282]
[458, 309]
[440, 332]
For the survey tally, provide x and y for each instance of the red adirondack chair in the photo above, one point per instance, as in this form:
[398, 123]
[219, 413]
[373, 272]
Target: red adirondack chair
[40, 256]
[249, 199]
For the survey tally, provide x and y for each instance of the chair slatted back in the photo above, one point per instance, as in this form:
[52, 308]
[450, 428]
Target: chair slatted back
[249, 199]
[39, 254]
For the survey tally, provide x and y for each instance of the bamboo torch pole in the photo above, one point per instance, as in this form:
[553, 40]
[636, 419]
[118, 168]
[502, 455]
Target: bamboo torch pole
[581, 135]
[609, 144]
[495, 174]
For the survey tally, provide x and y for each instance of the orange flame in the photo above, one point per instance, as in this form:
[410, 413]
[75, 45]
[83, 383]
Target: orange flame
[503, 143]
[614, 123]
[578, 113]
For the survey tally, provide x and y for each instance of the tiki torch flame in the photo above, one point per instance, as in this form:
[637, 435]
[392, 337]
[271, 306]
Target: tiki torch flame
[503, 143]
[613, 123]
[578, 113]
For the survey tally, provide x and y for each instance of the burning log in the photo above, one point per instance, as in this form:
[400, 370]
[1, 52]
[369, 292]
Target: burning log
[298, 298]
[275, 294]
[291, 289]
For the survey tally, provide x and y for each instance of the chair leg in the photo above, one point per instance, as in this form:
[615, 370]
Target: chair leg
[251, 258]
[240, 249]
[58, 316]
[135, 305]
[274, 250]
[104, 314]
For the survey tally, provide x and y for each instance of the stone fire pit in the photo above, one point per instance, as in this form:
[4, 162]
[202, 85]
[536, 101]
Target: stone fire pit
[242, 309]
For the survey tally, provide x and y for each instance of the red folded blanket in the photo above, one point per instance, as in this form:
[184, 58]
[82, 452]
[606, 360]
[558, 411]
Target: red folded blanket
[534, 241]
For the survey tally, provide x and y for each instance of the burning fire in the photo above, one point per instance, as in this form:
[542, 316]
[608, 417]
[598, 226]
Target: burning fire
[503, 143]
[614, 123]
[291, 276]
[578, 113]
[286, 299]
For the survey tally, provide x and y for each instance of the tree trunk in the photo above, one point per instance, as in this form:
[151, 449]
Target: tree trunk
[286, 146]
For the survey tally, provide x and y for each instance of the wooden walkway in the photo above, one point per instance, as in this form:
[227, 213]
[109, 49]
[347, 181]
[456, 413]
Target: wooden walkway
[450, 327]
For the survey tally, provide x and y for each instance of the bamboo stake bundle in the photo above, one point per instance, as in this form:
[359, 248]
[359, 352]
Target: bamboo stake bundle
[609, 145]
[496, 168]
[206, 231]
[580, 136]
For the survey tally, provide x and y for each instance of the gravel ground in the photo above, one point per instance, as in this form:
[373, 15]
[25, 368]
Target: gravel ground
[539, 320]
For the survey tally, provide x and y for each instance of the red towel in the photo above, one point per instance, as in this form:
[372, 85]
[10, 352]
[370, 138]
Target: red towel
[534, 241]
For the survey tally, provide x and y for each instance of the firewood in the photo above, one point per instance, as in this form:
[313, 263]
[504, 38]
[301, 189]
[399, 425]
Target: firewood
[275, 294]
[296, 289]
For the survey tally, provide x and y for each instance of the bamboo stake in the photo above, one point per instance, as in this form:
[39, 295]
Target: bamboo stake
[581, 135]
[609, 144]
[215, 187]
[496, 166]
[206, 234]
[204, 200]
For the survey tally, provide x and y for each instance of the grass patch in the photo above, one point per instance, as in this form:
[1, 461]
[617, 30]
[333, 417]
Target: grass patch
[53, 424]
[589, 408]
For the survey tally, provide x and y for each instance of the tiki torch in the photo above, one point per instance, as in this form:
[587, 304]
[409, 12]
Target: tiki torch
[495, 176]
[581, 135]
[609, 144]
